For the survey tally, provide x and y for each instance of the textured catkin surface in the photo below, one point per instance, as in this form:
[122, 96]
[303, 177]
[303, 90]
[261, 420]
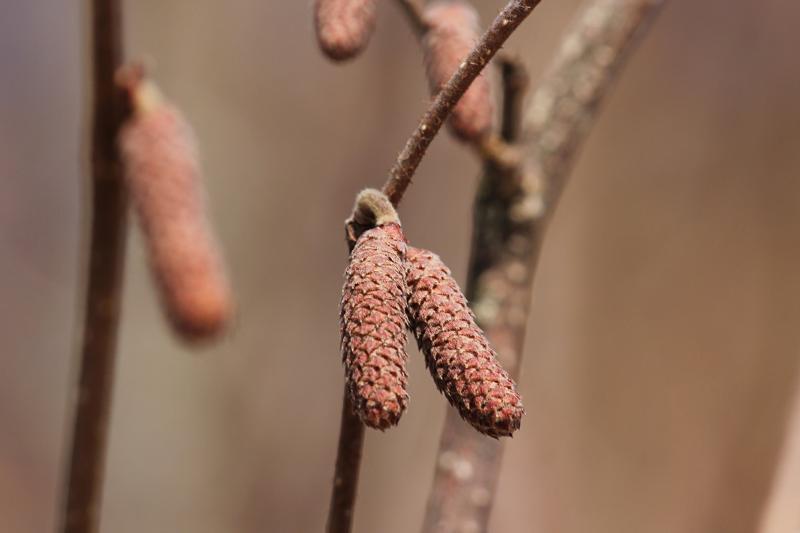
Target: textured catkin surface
[344, 26]
[457, 353]
[453, 31]
[163, 177]
[373, 326]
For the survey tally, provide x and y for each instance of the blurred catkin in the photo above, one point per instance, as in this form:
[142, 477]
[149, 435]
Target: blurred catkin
[373, 326]
[452, 33]
[344, 27]
[163, 176]
[457, 353]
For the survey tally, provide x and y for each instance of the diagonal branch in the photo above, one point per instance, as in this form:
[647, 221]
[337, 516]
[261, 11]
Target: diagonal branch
[510, 220]
[410, 157]
[106, 253]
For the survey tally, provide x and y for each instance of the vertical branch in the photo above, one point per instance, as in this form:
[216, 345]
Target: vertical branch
[511, 213]
[108, 223]
[348, 463]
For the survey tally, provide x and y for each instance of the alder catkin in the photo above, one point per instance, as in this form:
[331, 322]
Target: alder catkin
[457, 353]
[452, 33]
[373, 326]
[163, 177]
[344, 26]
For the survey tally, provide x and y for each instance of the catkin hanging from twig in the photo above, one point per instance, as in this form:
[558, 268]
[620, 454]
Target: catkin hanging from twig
[452, 33]
[344, 26]
[457, 353]
[163, 176]
[374, 322]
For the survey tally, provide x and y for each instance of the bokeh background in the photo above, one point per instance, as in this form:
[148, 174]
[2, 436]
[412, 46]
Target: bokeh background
[662, 357]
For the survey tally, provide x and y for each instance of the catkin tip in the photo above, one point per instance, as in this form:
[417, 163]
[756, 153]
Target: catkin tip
[344, 27]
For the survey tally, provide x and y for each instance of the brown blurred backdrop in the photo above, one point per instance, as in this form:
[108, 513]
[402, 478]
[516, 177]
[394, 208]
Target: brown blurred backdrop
[661, 361]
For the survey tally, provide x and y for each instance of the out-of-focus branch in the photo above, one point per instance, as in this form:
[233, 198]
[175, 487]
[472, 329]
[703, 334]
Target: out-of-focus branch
[92, 398]
[512, 209]
[409, 158]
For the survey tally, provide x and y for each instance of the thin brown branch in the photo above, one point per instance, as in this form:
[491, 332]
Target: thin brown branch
[409, 158]
[348, 463]
[510, 221]
[108, 224]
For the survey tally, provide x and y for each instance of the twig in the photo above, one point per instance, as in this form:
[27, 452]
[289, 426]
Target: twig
[348, 463]
[108, 224]
[409, 158]
[510, 221]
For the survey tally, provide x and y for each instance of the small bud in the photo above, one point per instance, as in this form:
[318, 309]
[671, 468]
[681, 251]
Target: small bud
[163, 177]
[344, 26]
[373, 326]
[457, 353]
[452, 33]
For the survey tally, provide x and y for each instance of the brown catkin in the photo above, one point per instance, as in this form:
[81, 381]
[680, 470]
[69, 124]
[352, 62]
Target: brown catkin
[344, 26]
[457, 353]
[373, 326]
[452, 33]
[163, 177]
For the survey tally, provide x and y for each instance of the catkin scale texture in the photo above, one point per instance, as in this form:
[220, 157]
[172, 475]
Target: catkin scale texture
[373, 326]
[457, 353]
[344, 27]
[452, 33]
[163, 177]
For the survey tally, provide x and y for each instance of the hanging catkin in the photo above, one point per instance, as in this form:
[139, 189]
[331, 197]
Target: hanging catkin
[451, 35]
[374, 322]
[163, 177]
[457, 353]
[344, 26]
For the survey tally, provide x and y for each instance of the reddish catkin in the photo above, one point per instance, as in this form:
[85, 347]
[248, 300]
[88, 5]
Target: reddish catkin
[457, 353]
[344, 26]
[163, 177]
[452, 33]
[373, 326]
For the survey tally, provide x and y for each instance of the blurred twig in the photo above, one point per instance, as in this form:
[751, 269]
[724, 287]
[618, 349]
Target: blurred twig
[108, 224]
[409, 158]
[511, 213]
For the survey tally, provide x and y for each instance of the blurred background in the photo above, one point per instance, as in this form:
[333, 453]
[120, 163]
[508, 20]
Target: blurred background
[662, 357]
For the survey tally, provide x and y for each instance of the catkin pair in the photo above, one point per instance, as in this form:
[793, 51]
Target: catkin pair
[163, 177]
[390, 286]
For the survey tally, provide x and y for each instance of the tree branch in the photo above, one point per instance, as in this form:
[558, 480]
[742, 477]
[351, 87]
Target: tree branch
[409, 158]
[108, 224]
[511, 212]
[348, 464]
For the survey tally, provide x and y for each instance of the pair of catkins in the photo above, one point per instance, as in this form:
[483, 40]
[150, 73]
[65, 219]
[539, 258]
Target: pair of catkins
[391, 287]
